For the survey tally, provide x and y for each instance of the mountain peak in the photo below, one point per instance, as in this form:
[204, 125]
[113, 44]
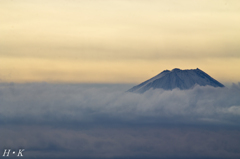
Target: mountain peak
[176, 69]
[177, 78]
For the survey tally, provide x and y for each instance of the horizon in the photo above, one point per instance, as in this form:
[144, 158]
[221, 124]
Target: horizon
[126, 83]
[227, 84]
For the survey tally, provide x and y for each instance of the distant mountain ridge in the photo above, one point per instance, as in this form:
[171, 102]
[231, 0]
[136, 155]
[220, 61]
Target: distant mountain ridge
[177, 78]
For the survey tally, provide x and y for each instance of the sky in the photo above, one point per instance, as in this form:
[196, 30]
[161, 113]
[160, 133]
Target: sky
[117, 41]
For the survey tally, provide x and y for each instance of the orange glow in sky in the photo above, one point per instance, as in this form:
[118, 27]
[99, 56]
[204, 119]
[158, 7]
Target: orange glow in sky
[117, 41]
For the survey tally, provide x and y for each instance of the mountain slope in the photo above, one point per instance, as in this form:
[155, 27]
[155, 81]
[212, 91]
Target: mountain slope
[177, 78]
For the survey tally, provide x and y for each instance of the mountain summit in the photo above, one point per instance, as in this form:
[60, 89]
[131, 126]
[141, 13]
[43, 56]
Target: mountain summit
[177, 78]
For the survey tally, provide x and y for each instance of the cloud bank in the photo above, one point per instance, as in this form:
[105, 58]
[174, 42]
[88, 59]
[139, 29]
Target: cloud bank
[54, 103]
[105, 121]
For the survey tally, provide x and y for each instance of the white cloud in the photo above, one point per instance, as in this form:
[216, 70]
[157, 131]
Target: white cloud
[104, 121]
[234, 110]
[55, 103]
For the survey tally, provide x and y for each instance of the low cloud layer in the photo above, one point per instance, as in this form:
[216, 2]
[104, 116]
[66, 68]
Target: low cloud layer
[55, 103]
[105, 121]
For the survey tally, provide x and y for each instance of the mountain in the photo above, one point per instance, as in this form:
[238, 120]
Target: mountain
[177, 78]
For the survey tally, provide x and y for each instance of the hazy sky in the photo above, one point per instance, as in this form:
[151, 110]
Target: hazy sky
[117, 41]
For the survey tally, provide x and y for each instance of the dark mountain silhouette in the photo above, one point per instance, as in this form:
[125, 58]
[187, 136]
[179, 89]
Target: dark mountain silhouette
[177, 78]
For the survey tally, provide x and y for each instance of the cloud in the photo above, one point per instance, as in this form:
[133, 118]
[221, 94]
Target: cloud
[136, 142]
[105, 121]
[54, 103]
